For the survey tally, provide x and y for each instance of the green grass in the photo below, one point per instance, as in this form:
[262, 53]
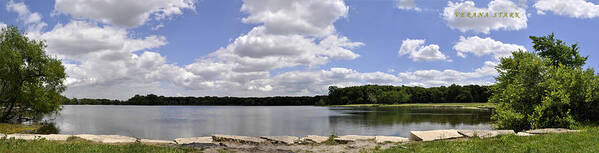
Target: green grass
[6, 128]
[468, 105]
[77, 146]
[586, 141]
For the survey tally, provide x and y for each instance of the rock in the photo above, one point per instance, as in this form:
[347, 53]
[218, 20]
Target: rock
[434, 135]
[204, 145]
[353, 138]
[550, 130]
[56, 137]
[193, 140]
[485, 133]
[53, 137]
[23, 136]
[281, 139]
[150, 141]
[392, 139]
[523, 134]
[314, 139]
[239, 139]
[107, 138]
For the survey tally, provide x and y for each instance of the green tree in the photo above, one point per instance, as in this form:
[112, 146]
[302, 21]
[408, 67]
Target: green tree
[30, 80]
[544, 88]
[393, 97]
[557, 52]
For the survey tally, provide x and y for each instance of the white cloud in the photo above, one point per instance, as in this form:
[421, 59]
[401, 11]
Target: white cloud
[161, 25]
[570, 8]
[317, 82]
[260, 51]
[407, 5]
[313, 18]
[109, 61]
[485, 46]
[2, 25]
[418, 52]
[33, 20]
[79, 39]
[485, 24]
[110, 58]
[292, 33]
[126, 13]
[103, 56]
[427, 78]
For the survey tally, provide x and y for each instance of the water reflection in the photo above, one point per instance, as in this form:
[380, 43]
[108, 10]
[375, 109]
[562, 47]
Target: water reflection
[169, 122]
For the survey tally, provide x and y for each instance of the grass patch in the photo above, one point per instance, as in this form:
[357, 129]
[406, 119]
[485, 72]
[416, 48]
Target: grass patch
[39, 146]
[473, 105]
[331, 140]
[585, 141]
[6, 128]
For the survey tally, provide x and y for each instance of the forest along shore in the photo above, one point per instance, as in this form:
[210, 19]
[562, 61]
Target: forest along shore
[476, 106]
[366, 94]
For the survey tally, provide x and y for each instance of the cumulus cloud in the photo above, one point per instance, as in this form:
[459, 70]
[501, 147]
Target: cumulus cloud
[103, 57]
[108, 56]
[295, 17]
[291, 33]
[407, 5]
[79, 39]
[571, 8]
[485, 46]
[429, 78]
[109, 61]
[451, 14]
[417, 51]
[261, 51]
[2, 25]
[125, 13]
[33, 20]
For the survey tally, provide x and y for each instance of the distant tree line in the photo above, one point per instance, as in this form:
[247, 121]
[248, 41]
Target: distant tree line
[152, 99]
[366, 94]
[376, 94]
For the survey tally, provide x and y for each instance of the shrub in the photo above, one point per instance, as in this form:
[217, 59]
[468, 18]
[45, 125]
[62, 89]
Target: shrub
[541, 89]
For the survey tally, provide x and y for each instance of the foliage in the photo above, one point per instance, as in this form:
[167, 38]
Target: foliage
[7, 128]
[557, 52]
[376, 94]
[542, 89]
[585, 141]
[30, 80]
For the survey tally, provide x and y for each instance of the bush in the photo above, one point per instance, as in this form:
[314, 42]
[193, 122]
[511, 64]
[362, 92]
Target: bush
[538, 90]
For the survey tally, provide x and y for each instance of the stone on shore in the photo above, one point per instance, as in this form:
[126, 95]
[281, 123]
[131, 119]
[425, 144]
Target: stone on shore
[392, 139]
[23, 136]
[485, 133]
[150, 141]
[550, 130]
[523, 134]
[238, 139]
[314, 139]
[281, 139]
[107, 138]
[194, 140]
[353, 138]
[434, 135]
[56, 137]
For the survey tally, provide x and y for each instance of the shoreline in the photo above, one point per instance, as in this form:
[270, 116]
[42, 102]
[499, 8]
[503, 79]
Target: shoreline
[479, 106]
[310, 143]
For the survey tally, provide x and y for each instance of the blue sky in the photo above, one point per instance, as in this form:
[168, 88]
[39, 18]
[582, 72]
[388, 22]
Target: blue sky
[266, 47]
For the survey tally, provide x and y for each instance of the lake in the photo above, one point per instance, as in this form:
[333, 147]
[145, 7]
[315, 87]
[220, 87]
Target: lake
[169, 122]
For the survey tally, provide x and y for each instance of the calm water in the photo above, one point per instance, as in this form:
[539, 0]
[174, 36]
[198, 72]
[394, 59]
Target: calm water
[169, 122]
